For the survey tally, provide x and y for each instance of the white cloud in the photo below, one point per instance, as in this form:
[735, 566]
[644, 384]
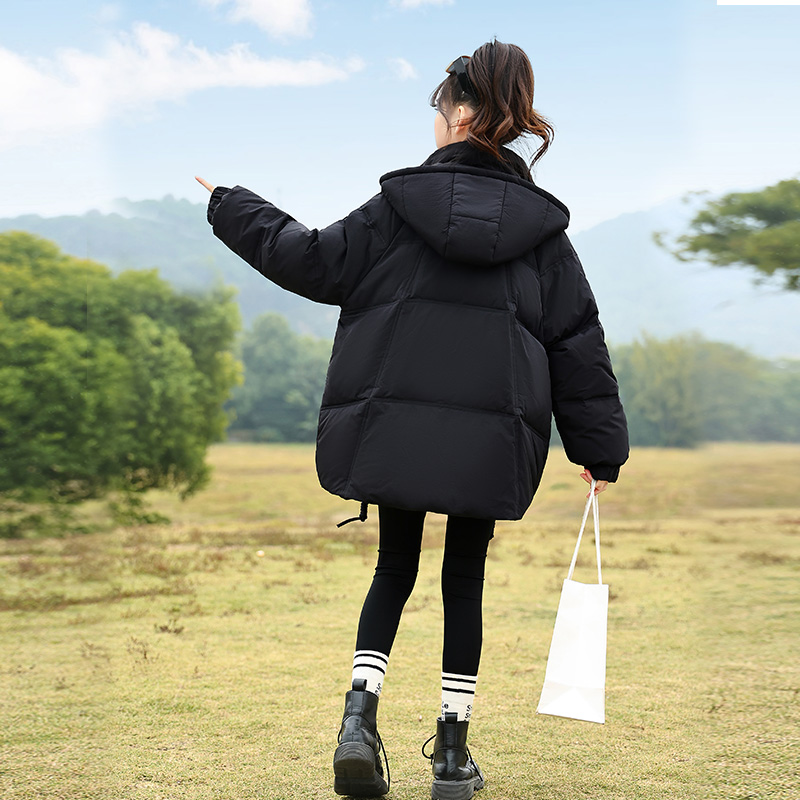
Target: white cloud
[418, 3]
[403, 69]
[76, 89]
[276, 17]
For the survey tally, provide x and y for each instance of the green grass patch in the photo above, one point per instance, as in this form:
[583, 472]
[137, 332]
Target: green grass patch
[208, 657]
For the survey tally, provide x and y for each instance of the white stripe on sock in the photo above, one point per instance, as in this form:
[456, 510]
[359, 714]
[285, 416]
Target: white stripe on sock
[374, 653]
[458, 694]
[370, 665]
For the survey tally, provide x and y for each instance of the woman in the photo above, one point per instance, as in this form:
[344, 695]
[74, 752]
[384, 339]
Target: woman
[466, 322]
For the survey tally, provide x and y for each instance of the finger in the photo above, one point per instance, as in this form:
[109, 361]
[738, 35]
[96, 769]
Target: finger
[205, 183]
[586, 477]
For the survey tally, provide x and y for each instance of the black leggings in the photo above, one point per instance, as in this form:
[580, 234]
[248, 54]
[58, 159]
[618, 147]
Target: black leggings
[466, 543]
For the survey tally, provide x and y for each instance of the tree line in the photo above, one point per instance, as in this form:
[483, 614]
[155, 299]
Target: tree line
[686, 390]
[119, 384]
[677, 392]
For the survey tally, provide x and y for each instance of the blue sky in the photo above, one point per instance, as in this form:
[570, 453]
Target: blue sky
[309, 101]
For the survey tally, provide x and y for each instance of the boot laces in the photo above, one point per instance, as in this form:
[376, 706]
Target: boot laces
[474, 764]
[385, 761]
[427, 742]
[433, 755]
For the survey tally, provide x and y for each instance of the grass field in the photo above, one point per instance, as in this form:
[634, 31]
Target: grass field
[208, 658]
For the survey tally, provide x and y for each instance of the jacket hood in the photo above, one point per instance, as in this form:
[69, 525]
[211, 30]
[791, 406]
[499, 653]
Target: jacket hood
[472, 214]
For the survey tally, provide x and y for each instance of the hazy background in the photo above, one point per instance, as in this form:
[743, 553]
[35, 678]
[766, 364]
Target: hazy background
[309, 101]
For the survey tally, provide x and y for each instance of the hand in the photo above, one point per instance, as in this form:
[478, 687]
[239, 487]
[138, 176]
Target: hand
[600, 486]
[205, 183]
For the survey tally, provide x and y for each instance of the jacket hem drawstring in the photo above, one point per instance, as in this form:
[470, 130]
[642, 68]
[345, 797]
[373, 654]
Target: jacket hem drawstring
[362, 516]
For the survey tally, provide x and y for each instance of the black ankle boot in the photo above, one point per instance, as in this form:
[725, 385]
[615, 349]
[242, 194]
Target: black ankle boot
[456, 776]
[356, 763]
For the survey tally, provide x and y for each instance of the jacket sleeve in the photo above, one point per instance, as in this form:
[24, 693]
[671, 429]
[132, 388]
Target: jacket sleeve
[585, 394]
[323, 265]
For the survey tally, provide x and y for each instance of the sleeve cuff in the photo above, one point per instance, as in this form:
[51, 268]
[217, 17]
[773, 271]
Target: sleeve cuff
[214, 201]
[604, 472]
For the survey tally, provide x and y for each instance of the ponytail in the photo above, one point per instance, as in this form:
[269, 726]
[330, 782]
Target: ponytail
[502, 78]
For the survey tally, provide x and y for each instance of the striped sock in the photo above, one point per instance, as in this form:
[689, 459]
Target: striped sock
[458, 694]
[370, 665]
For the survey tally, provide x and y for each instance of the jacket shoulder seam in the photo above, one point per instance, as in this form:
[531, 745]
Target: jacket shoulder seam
[557, 263]
[592, 322]
[372, 226]
[500, 220]
[450, 214]
[376, 260]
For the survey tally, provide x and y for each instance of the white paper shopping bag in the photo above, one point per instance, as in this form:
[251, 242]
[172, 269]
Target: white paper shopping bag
[575, 678]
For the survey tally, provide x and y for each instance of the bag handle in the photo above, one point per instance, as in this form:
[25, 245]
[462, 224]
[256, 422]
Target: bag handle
[593, 504]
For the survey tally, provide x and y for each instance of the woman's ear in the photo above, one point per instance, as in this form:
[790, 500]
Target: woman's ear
[463, 114]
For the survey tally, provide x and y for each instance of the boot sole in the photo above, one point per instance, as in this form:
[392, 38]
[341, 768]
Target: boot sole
[354, 771]
[456, 790]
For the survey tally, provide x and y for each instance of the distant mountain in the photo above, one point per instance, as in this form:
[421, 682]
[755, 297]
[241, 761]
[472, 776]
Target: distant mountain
[639, 287]
[173, 236]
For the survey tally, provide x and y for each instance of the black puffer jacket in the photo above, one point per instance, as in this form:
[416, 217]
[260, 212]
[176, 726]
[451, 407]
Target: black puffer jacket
[466, 320]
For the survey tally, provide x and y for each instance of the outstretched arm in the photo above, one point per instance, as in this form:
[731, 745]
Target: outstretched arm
[323, 265]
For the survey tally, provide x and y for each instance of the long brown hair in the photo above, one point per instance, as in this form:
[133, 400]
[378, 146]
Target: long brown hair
[502, 77]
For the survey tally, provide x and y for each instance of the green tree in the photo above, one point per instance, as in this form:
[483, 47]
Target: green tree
[659, 391]
[686, 390]
[205, 323]
[106, 383]
[731, 390]
[283, 384]
[757, 229]
[60, 401]
[777, 416]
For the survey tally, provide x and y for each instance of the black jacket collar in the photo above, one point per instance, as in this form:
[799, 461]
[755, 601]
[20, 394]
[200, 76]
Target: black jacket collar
[471, 156]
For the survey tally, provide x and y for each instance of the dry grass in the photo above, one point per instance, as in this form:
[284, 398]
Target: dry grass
[175, 661]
